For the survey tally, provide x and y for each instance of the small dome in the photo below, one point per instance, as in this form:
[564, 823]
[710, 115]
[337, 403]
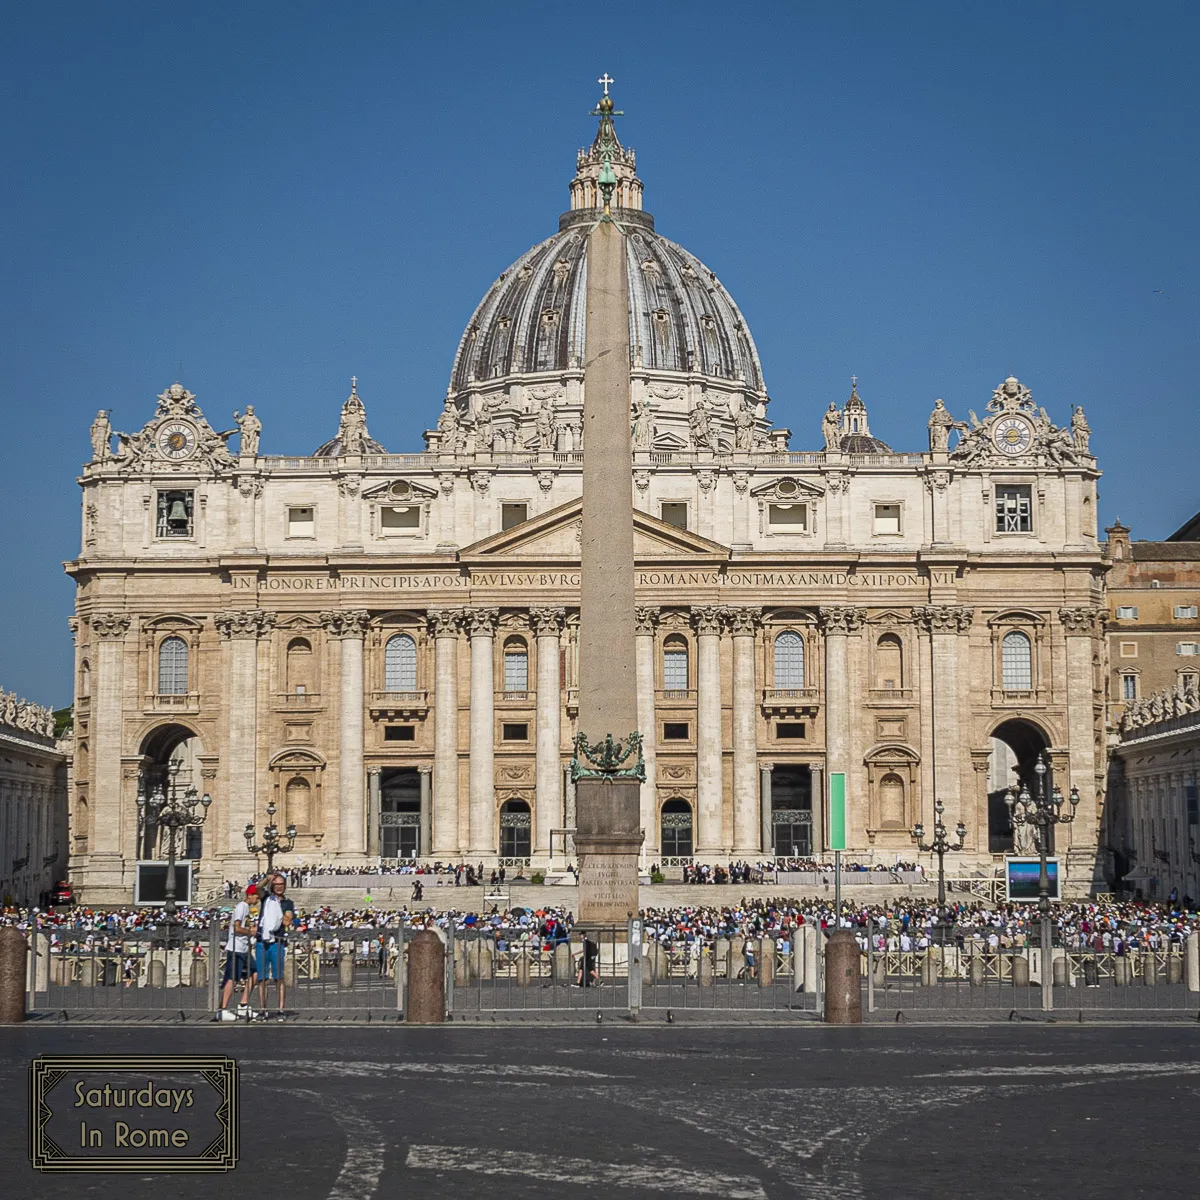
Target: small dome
[863, 443]
[352, 436]
[856, 435]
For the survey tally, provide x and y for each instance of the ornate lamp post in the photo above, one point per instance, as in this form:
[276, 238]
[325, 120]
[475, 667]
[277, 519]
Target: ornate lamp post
[272, 844]
[941, 846]
[1043, 814]
[171, 808]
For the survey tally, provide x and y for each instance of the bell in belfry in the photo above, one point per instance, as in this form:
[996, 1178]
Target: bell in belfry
[177, 514]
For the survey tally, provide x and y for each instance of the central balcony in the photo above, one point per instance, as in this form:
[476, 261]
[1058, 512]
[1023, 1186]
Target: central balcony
[791, 700]
[399, 704]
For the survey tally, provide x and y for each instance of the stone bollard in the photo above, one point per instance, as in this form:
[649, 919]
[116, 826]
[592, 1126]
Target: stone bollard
[522, 968]
[158, 970]
[1191, 962]
[564, 964]
[929, 969]
[766, 962]
[812, 948]
[426, 980]
[1121, 971]
[976, 970]
[460, 963]
[346, 970]
[843, 992]
[1174, 969]
[705, 968]
[1020, 970]
[1058, 970]
[41, 964]
[880, 968]
[487, 961]
[1149, 969]
[13, 951]
[87, 970]
[289, 968]
[58, 974]
[198, 977]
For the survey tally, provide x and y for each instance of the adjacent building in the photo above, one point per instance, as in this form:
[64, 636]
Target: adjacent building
[384, 644]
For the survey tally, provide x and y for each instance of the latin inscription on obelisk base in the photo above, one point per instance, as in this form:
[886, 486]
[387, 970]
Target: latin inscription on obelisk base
[608, 834]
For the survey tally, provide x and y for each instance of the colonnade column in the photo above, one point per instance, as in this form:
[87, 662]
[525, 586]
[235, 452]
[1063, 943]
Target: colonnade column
[746, 819]
[242, 630]
[709, 800]
[817, 800]
[107, 685]
[481, 624]
[374, 807]
[426, 827]
[548, 624]
[838, 622]
[444, 625]
[944, 623]
[349, 628]
[766, 819]
[645, 620]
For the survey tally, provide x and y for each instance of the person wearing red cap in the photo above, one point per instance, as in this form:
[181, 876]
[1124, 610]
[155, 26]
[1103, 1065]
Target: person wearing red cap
[237, 958]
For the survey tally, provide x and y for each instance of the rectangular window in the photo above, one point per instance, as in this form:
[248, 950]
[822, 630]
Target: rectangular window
[399, 733]
[1192, 792]
[788, 518]
[1127, 612]
[1185, 612]
[174, 514]
[1186, 649]
[1128, 687]
[675, 731]
[302, 521]
[513, 513]
[1128, 649]
[1014, 509]
[674, 512]
[887, 518]
[512, 732]
[789, 729]
[675, 670]
[399, 518]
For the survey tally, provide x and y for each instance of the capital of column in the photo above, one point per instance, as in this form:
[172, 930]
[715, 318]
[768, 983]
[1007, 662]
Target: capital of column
[244, 624]
[109, 625]
[943, 618]
[645, 619]
[841, 618]
[424, 769]
[743, 621]
[548, 622]
[481, 622]
[348, 623]
[444, 622]
[707, 619]
[1083, 620]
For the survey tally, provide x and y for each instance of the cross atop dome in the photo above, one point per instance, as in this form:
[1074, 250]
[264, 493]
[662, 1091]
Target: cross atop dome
[605, 80]
[606, 172]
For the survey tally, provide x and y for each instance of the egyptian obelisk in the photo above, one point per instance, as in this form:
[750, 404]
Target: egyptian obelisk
[608, 833]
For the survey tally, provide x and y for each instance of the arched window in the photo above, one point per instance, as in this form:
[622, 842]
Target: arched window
[400, 664]
[298, 804]
[299, 666]
[675, 664]
[675, 829]
[173, 667]
[789, 660]
[1016, 662]
[516, 665]
[85, 679]
[891, 801]
[516, 829]
[889, 663]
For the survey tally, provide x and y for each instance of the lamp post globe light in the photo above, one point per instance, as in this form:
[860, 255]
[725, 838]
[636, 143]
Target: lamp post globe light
[171, 807]
[941, 845]
[1042, 812]
[271, 843]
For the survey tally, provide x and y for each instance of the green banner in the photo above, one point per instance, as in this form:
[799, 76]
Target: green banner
[837, 810]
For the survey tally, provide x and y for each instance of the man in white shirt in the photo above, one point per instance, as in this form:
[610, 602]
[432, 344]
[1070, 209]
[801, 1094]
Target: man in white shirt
[237, 958]
[278, 913]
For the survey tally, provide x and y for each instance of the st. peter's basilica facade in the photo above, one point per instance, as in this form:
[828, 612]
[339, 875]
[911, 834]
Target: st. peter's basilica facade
[384, 645]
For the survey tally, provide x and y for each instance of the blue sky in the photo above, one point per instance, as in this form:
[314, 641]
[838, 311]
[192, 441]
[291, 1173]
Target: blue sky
[263, 200]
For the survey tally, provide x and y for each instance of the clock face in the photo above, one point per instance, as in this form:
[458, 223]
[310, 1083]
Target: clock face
[1012, 435]
[177, 440]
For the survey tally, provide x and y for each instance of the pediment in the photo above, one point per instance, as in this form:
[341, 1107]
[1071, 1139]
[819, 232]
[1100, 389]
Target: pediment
[556, 535]
[787, 489]
[400, 491]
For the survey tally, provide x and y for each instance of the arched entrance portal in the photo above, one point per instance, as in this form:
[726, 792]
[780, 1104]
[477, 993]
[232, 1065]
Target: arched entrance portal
[400, 815]
[516, 832]
[161, 747]
[1016, 745]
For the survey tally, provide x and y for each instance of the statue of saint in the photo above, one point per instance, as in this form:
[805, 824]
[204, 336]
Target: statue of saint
[743, 428]
[1025, 839]
[831, 428]
[101, 438]
[450, 427]
[940, 425]
[545, 430]
[1081, 431]
[250, 427]
[699, 426]
[643, 425]
[485, 431]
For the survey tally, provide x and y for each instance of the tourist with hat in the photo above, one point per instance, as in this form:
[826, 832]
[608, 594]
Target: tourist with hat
[237, 957]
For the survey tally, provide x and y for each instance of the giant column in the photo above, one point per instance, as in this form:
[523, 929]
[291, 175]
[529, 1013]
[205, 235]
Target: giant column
[242, 630]
[548, 623]
[707, 622]
[481, 624]
[104, 800]
[747, 825]
[609, 775]
[349, 628]
[1081, 626]
[838, 621]
[646, 620]
[944, 623]
[443, 624]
